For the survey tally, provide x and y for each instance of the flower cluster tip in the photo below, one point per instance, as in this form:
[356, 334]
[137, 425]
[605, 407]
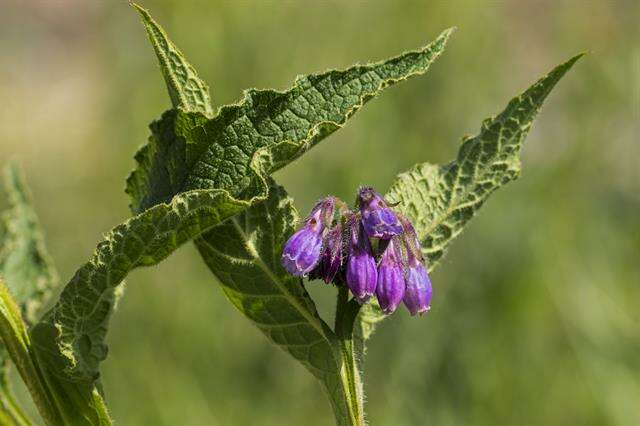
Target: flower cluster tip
[373, 250]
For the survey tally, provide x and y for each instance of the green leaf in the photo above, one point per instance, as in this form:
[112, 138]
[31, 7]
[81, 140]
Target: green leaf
[25, 263]
[244, 254]
[440, 200]
[79, 320]
[186, 90]
[69, 341]
[30, 275]
[189, 151]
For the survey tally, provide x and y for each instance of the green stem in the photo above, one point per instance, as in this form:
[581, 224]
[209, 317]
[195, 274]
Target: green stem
[16, 340]
[346, 313]
[8, 405]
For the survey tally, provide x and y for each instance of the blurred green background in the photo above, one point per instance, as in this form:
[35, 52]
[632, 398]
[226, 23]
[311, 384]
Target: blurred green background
[535, 317]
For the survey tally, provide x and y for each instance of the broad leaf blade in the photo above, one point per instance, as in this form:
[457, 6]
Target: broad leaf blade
[188, 151]
[186, 90]
[244, 254]
[440, 200]
[79, 320]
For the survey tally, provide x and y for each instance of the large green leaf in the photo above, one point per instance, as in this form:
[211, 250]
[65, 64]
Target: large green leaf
[69, 340]
[440, 200]
[79, 319]
[244, 254]
[187, 150]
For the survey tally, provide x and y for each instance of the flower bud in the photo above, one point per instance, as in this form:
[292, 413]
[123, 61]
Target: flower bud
[301, 252]
[331, 258]
[378, 219]
[391, 283]
[362, 276]
[411, 241]
[417, 296]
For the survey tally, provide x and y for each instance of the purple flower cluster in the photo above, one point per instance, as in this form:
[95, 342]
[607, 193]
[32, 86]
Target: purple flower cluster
[374, 251]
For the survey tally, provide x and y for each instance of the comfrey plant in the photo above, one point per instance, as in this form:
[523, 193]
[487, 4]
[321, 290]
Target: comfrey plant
[205, 175]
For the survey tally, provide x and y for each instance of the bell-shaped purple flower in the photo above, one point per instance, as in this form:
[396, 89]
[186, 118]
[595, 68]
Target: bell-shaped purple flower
[417, 296]
[362, 276]
[391, 280]
[301, 252]
[378, 219]
[331, 258]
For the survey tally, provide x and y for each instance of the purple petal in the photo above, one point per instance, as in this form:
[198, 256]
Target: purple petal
[310, 254]
[378, 219]
[362, 276]
[391, 285]
[302, 252]
[332, 255]
[417, 296]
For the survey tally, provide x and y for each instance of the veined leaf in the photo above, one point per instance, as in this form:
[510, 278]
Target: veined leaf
[187, 150]
[79, 320]
[440, 200]
[187, 91]
[30, 275]
[244, 254]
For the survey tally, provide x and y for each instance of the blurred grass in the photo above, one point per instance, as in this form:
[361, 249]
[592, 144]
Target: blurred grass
[535, 317]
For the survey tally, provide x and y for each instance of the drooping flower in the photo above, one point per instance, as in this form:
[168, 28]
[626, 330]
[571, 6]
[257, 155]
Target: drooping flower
[301, 252]
[331, 258]
[417, 296]
[378, 219]
[345, 251]
[418, 293]
[362, 276]
[391, 278]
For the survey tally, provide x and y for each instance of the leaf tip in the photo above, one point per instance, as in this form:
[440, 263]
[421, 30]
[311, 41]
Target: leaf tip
[444, 35]
[551, 79]
[136, 6]
[568, 64]
[144, 13]
[450, 31]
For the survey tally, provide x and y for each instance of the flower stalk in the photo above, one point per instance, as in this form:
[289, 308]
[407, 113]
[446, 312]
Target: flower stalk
[346, 314]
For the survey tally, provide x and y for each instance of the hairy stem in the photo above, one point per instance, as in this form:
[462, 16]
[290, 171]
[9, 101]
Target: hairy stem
[346, 313]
